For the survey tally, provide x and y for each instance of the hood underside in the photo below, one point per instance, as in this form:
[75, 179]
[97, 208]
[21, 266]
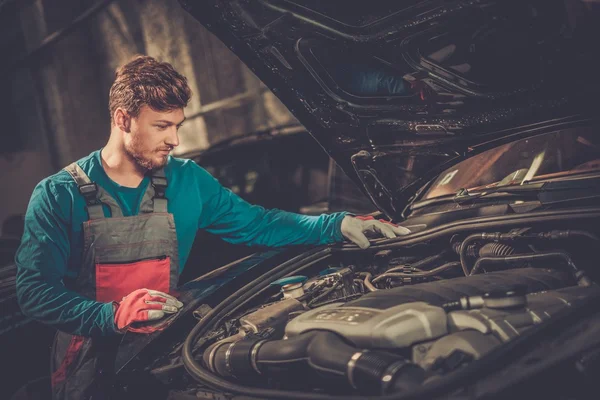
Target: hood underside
[398, 91]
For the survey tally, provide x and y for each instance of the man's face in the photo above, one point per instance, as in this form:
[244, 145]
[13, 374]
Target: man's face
[152, 136]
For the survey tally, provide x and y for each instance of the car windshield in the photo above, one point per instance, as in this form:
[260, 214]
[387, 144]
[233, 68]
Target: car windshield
[543, 157]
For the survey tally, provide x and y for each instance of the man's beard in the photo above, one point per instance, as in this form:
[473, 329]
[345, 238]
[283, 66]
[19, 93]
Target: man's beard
[135, 150]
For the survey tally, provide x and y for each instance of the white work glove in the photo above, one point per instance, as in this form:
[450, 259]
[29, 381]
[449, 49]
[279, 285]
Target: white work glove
[354, 229]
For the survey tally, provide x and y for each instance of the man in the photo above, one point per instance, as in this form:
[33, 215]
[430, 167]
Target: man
[106, 238]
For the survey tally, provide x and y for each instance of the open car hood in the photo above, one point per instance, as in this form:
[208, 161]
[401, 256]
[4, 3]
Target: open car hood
[398, 91]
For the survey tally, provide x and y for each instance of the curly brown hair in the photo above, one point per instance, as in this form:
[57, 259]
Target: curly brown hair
[146, 81]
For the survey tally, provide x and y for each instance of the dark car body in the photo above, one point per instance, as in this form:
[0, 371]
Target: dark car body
[472, 123]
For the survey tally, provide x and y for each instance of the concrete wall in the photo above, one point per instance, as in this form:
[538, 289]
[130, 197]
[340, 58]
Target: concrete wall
[58, 98]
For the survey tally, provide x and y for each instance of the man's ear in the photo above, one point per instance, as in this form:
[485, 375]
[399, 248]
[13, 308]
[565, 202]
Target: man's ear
[122, 120]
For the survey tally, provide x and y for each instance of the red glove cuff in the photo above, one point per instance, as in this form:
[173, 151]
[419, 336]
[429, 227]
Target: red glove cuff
[370, 217]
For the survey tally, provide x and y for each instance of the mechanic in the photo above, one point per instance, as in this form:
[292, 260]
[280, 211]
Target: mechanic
[107, 237]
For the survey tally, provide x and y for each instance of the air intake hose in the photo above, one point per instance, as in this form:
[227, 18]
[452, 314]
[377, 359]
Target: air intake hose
[495, 249]
[369, 372]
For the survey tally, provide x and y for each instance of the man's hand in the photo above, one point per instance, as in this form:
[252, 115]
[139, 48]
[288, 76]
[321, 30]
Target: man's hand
[354, 229]
[144, 305]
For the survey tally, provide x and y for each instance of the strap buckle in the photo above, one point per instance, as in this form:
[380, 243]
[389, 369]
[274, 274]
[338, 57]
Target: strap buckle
[159, 184]
[89, 192]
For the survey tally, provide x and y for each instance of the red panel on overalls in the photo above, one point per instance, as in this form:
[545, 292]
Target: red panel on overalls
[71, 353]
[121, 254]
[115, 281]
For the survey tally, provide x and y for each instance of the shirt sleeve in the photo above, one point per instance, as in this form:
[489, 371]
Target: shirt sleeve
[42, 264]
[226, 214]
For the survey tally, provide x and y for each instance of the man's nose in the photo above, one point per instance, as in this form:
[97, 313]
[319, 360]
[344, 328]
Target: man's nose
[173, 139]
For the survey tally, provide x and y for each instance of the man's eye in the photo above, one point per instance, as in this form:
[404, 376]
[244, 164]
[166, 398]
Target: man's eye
[161, 127]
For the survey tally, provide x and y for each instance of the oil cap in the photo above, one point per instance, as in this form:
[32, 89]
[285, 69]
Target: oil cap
[291, 286]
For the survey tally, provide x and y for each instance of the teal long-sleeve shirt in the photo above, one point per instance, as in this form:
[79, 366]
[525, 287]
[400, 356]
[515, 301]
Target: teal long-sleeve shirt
[52, 244]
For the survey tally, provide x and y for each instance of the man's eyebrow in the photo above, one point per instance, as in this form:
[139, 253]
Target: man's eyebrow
[164, 121]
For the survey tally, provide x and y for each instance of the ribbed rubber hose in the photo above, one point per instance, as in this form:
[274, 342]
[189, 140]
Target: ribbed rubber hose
[500, 237]
[496, 249]
[525, 257]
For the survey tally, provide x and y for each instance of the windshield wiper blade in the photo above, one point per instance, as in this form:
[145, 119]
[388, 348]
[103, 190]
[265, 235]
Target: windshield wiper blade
[463, 195]
[546, 192]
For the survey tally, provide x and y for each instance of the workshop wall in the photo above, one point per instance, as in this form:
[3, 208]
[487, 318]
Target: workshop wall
[60, 65]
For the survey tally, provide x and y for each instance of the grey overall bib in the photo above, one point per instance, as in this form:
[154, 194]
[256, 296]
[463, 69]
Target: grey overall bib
[120, 255]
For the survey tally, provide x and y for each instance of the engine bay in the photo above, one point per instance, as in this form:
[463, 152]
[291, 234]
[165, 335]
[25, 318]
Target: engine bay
[389, 321]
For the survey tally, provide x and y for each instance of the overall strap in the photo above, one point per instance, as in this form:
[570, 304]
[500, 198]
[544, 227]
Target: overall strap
[93, 194]
[154, 199]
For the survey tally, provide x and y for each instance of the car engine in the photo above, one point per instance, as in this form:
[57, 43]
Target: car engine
[392, 320]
